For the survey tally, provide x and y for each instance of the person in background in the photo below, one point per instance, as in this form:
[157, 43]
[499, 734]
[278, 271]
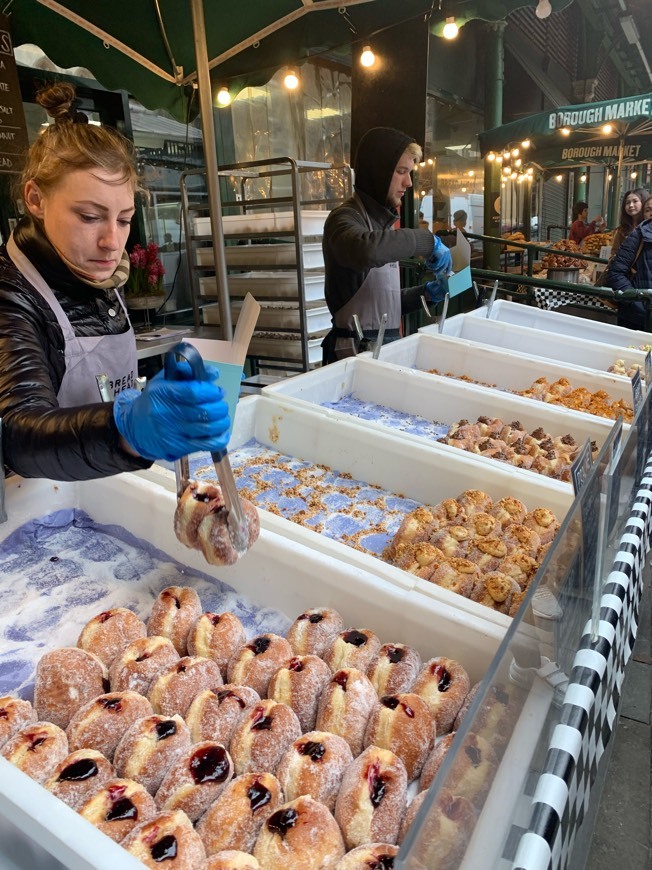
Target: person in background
[63, 322]
[423, 223]
[579, 229]
[460, 218]
[631, 214]
[363, 243]
[631, 268]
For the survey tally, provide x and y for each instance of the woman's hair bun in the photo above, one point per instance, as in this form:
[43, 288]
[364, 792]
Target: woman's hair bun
[58, 100]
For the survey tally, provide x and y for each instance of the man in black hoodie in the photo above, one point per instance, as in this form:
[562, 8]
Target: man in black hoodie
[363, 243]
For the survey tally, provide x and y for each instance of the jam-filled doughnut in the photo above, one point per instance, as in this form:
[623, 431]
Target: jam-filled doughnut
[301, 833]
[262, 735]
[117, 807]
[78, 776]
[109, 632]
[443, 684]
[174, 612]
[167, 840]
[496, 715]
[371, 856]
[395, 669]
[235, 818]
[371, 798]
[255, 662]
[450, 824]
[37, 749]
[345, 705]
[149, 747]
[216, 636]
[195, 779]
[138, 665]
[299, 685]
[314, 764]
[231, 859]
[213, 715]
[173, 691]
[66, 679]
[214, 536]
[311, 633]
[102, 722]
[352, 648]
[473, 770]
[197, 501]
[15, 713]
[404, 724]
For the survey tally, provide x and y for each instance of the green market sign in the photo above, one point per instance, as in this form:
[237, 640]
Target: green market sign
[629, 109]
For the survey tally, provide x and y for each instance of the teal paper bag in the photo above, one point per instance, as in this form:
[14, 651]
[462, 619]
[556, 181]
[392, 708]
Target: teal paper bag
[460, 281]
[230, 380]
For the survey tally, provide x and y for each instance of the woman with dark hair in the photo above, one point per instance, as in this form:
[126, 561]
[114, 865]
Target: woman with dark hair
[631, 214]
[579, 229]
[631, 268]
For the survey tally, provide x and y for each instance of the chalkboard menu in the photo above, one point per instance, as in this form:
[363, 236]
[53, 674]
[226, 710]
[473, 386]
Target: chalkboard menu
[13, 130]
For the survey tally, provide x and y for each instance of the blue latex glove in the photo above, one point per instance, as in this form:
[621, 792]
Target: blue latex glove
[172, 418]
[435, 291]
[440, 261]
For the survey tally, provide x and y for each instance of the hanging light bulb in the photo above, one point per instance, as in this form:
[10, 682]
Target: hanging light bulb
[565, 131]
[464, 190]
[499, 158]
[491, 156]
[506, 170]
[609, 177]
[607, 129]
[513, 175]
[518, 162]
[507, 154]
[515, 152]
[451, 29]
[471, 173]
[223, 96]
[632, 175]
[430, 161]
[367, 58]
[543, 9]
[525, 143]
[582, 178]
[291, 80]
[559, 177]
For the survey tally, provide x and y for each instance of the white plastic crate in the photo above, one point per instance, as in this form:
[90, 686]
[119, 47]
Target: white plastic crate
[312, 223]
[285, 346]
[265, 285]
[277, 315]
[281, 254]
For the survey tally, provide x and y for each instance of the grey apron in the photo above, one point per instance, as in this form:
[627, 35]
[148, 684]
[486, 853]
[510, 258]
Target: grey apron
[379, 293]
[87, 356]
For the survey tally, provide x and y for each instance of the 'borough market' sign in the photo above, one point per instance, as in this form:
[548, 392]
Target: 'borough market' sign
[629, 109]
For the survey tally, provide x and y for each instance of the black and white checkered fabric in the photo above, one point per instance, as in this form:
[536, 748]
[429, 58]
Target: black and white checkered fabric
[549, 299]
[561, 796]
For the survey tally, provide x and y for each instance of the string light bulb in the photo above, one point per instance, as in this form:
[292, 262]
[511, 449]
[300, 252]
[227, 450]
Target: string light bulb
[291, 80]
[607, 129]
[565, 131]
[367, 58]
[525, 143]
[543, 9]
[223, 96]
[491, 156]
[582, 178]
[632, 175]
[559, 177]
[451, 29]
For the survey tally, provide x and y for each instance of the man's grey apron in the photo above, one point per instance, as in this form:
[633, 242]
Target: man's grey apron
[88, 356]
[379, 293]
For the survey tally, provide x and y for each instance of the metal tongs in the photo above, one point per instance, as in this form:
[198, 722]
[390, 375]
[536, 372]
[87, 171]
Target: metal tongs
[380, 336]
[235, 517]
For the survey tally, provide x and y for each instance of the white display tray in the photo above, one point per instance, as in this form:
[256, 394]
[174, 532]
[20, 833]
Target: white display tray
[436, 398]
[265, 285]
[277, 315]
[39, 832]
[312, 223]
[562, 324]
[281, 254]
[425, 473]
[504, 368]
[284, 346]
[536, 343]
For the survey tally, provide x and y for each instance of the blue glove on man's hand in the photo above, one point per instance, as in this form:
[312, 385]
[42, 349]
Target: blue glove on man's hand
[440, 261]
[435, 291]
[172, 418]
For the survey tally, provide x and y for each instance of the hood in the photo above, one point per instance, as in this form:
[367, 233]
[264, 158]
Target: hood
[376, 157]
[646, 229]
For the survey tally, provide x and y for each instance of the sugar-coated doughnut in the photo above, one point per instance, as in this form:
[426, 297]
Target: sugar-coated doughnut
[231, 859]
[314, 764]
[543, 522]
[473, 769]
[138, 665]
[475, 501]
[371, 799]
[15, 713]
[370, 856]
[78, 776]
[395, 669]
[345, 705]
[450, 824]
[197, 501]
[404, 724]
[216, 636]
[301, 833]
[65, 680]
[352, 648]
[174, 612]
[149, 747]
[299, 684]
[167, 840]
[214, 536]
[234, 819]
[37, 749]
[262, 735]
[497, 714]
[496, 590]
[102, 722]
[312, 632]
[213, 715]
[195, 779]
[109, 632]
[508, 510]
[444, 684]
[174, 690]
[255, 662]
[118, 807]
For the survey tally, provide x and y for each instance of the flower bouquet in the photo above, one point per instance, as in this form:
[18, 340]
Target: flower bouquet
[144, 286]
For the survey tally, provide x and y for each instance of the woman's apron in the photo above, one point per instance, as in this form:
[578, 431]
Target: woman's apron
[379, 293]
[85, 357]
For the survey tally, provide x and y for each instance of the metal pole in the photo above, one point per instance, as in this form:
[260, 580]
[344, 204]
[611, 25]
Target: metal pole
[615, 214]
[210, 156]
[493, 117]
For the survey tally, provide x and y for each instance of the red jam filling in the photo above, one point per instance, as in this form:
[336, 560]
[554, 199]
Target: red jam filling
[259, 721]
[341, 678]
[166, 729]
[295, 665]
[281, 821]
[80, 770]
[165, 849]
[355, 637]
[395, 654]
[111, 703]
[210, 764]
[121, 810]
[259, 796]
[313, 749]
[376, 783]
[104, 617]
[443, 677]
[259, 645]
[215, 618]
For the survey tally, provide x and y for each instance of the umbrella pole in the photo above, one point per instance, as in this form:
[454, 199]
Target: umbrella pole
[210, 156]
[616, 207]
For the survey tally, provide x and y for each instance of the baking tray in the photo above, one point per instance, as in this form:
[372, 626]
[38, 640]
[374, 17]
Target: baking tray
[39, 832]
[281, 254]
[312, 223]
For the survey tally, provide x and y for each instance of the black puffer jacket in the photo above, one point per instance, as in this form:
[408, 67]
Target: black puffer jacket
[350, 248]
[621, 277]
[39, 439]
